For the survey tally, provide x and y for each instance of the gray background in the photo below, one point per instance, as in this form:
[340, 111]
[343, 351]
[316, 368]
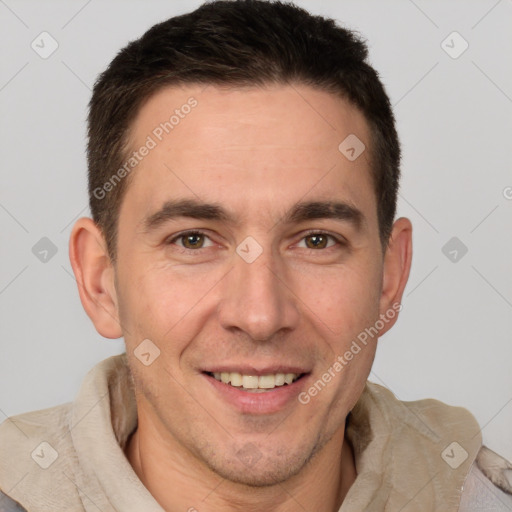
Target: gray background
[453, 339]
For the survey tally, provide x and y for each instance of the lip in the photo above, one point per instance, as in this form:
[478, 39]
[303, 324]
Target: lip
[268, 402]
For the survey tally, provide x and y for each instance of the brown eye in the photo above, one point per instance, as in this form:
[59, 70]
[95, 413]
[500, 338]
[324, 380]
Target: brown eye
[317, 241]
[191, 240]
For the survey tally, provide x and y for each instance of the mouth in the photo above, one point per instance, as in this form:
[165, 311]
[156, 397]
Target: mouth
[256, 383]
[254, 389]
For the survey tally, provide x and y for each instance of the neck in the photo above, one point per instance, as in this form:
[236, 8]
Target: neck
[178, 481]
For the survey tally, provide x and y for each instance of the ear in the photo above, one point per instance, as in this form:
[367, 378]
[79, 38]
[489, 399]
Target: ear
[397, 264]
[94, 275]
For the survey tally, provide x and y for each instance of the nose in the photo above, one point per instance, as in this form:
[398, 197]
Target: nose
[258, 299]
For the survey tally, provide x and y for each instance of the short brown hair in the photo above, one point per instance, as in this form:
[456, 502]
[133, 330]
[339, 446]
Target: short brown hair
[239, 43]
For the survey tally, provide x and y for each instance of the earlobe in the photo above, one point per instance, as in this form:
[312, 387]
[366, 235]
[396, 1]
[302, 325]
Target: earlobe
[397, 265]
[94, 275]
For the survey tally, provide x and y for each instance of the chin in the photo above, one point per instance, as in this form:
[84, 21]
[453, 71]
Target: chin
[263, 474]
[252, 468]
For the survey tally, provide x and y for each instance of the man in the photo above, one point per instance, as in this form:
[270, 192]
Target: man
[243, 174]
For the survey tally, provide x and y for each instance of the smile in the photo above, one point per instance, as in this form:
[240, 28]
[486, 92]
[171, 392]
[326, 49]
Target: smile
[255, 383]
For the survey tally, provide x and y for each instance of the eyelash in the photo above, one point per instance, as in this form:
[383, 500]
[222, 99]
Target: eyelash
[339, 242]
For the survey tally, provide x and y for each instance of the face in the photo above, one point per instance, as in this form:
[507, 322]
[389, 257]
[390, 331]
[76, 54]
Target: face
[257, 284]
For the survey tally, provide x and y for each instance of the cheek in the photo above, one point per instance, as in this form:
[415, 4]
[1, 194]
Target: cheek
[343, 299]
[353, 314]
[160, 302]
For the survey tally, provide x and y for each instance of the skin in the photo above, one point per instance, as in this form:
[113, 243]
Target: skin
[256, 152]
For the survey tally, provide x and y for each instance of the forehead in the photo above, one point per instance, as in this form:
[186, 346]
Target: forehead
[248, 147]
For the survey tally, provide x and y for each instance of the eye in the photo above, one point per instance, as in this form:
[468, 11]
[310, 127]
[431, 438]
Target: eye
[191, 240]
[320, 240]
[194, 240]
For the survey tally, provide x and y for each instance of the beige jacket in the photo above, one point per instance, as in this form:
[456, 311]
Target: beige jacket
[410, 456]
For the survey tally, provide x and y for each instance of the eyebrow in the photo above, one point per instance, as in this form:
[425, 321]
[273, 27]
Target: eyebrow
[300, 212]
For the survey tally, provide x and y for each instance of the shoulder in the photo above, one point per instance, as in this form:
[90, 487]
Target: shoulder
[34, 448]
[488, 485]
[23, 428]
[438, 415]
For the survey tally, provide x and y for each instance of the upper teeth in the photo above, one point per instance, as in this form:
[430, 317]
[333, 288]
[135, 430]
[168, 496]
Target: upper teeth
[255, 381]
